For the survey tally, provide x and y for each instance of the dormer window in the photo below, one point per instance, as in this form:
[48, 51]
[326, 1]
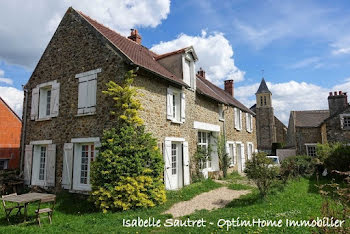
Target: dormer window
[188, 67]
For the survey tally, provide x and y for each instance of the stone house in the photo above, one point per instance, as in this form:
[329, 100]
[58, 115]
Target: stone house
[307, 128]
[269, 128]
[65, 111]
[10, 134]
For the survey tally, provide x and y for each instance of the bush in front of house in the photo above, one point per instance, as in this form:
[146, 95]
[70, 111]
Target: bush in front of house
[260, 170]
[128, 171]
[335, 156]
[295, 166]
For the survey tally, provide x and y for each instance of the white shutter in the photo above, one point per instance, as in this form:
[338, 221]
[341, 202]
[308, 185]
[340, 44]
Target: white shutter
[183, 107]
[341, 121]
[186, 163]
[251, 123]
[67, 165]
[240, 120]
[28, 157]
[167, 164]
[35, 104]
[186, 72]
[169, 104]
[242, 157]
[55, 98]
[236, 117]
[92, 85]
[248, 151]
[82, 97]
[234, 153]
[36, 166]
[247, 122]
[51, 165]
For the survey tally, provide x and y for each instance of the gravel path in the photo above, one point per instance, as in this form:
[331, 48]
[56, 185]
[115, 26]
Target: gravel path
[214, 199]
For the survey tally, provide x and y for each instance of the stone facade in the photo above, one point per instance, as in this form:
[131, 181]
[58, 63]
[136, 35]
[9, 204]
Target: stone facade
[332, 130]
[75, 48]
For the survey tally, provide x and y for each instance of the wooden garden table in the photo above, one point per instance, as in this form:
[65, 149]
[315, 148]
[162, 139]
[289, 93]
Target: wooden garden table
[27, 198]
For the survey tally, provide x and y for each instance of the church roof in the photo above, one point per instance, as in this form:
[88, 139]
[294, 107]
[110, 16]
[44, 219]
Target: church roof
[263, 87]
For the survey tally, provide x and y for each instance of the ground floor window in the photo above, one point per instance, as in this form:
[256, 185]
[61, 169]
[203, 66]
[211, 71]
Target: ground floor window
[231, 153]
[203, 143]
[42, 164]
[3, 164]
[250, 150]
[311, 149]
[84, 155]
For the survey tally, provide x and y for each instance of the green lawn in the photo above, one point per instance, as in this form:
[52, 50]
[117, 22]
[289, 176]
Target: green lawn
[298, 200]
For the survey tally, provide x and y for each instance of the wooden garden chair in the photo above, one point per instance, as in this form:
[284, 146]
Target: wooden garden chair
[9, 209]
[48, 210]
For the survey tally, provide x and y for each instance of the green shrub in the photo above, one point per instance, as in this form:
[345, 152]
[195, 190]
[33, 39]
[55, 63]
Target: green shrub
[339, 159]
[128, 171]
[295, 166]
[334, 156]
[260, 170]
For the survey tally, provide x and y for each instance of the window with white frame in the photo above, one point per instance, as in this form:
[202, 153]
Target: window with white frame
[45, 100]
[250, 150]
[345, 121]
[203, 143]
[173, 158]
[87, 92]
[221, 112]
[311, 149]
[188, 70]
[238, 118]
[175, 105]
[231, 148]
[249, 122]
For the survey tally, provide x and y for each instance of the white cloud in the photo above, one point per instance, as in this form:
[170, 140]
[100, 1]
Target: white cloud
[292, 95]
[313, 61]
[26, 30]
[5, 80]
[13, 97]
[215, 55]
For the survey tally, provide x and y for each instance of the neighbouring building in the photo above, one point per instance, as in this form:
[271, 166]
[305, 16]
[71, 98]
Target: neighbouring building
[268, 127]
[67, 111]
[308, 128]
[10, 133]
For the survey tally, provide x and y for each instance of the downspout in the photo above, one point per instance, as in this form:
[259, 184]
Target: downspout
[24, 123]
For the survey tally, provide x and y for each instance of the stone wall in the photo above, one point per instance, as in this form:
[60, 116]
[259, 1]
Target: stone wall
[266, 129]
[333, 129]
[281, 131]
[306, 135]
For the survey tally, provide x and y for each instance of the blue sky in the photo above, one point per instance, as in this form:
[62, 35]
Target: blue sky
[302, 46]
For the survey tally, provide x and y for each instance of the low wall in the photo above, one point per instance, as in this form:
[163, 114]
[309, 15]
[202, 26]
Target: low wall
[284, 153]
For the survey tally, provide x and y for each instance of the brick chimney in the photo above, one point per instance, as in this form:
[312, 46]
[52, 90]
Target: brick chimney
[135, 36]
[201, 73]
[337, 102]
[229, 87]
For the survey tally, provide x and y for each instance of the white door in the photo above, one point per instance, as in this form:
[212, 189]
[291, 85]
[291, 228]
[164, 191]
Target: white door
[39, 165]
[242, 158]
[173, 165]
[83, 155]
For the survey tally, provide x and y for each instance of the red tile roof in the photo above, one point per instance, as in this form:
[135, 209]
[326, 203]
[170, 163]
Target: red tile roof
[135, 52]
[207, 88]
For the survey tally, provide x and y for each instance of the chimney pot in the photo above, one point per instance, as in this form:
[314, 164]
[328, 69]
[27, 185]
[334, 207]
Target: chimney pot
[340, 92]
[229, 87]
[201, 72]
[335, 93]
[330, 93]
[135, 36]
